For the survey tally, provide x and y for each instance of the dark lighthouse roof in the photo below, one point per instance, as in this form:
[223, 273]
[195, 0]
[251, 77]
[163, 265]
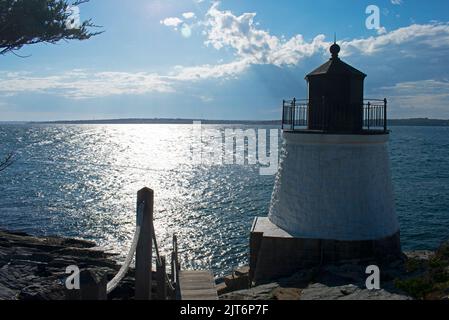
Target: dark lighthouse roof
[335, 66]
[335, 103]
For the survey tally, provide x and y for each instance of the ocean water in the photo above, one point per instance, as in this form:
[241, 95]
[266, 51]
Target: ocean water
[81, 181]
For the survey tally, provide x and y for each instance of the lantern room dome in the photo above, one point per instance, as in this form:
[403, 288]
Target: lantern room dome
[335, 66]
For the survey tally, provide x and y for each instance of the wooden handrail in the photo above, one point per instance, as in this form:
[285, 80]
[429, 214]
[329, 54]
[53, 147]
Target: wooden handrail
[144, 251]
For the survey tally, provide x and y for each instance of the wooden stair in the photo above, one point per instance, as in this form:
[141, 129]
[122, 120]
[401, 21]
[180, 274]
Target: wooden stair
[197, 285]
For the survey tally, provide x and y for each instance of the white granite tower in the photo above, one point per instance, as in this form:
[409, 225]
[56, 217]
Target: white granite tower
[333, 197]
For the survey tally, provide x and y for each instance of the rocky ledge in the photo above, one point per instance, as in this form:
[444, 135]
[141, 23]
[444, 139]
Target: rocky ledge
[34, 268]
[418, 275]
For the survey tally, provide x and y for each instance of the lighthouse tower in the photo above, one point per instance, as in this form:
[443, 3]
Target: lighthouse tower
[333, 197]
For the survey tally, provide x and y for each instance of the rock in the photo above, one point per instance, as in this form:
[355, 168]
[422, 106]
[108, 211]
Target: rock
[61, 263]
[334, 275]
[423, 255]
[42, 257]
[34, 268]
[300, 279]
[287, 293]
[222, 288]
[234, 283]
[242, 271]
[7, 293]
[320, 291]
[239, 280]
[443, 251]
[75, 243]
[264, 292]
[50, 290]
[77, 252]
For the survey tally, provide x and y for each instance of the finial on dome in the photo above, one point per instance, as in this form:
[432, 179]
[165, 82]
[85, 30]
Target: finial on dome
[335, 48]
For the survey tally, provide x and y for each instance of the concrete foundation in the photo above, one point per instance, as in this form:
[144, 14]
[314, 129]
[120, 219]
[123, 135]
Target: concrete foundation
[275, 253]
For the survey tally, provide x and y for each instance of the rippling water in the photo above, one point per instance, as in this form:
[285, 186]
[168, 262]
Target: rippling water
[81, 181]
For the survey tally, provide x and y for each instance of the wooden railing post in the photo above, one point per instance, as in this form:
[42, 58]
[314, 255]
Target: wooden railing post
[161, 278]
[385, 116]
[175, 248]
[173, 267]
[144, 251]
[92, 287]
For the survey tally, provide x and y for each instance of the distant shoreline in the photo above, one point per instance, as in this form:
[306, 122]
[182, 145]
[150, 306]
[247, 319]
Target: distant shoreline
[393, 122]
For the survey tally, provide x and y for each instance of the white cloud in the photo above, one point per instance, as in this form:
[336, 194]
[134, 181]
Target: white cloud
[186, 31]
[74, 19]
[224, 29]
[434, 35]
[188, 15]
[423, 87]
[171, 22]
[419, 98]
[179, 25]
[242, 36]
[82, 84]
[381, 30]
[226, 70]
[396, 2]
[79, 84]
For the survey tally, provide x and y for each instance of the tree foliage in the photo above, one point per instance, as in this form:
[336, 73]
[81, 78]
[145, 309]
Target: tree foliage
[25, 22]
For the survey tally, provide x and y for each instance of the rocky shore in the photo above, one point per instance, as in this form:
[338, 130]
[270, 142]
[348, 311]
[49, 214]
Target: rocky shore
[420, 275]
[33, 268]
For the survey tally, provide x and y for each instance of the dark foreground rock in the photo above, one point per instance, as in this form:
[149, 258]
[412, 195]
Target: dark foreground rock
[34, 268]
[418, 275]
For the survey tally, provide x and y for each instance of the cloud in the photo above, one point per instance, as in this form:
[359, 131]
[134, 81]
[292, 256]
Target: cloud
[179, 25]
[396, 2]
[188, 15]
[240, 33]
[74, 19]
[207, 71]
[186, 31]
[171, 22]
[250, 44]
[381, 30]
[433, 35]
[79, 84]
[83, 84]
[419, 98]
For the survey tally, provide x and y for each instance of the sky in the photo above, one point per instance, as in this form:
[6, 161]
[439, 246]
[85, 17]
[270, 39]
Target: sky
[229, 59]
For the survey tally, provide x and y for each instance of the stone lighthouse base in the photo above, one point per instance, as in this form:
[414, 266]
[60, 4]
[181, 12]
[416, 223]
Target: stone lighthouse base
[275, 253]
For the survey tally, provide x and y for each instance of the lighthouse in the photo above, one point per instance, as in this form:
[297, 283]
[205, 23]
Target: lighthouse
[333, 197]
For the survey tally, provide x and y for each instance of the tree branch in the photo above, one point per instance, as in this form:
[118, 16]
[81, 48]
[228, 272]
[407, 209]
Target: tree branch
[27, 22]
[7, 161]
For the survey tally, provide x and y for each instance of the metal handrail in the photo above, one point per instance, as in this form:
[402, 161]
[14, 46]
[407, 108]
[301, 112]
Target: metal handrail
[295, 115]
